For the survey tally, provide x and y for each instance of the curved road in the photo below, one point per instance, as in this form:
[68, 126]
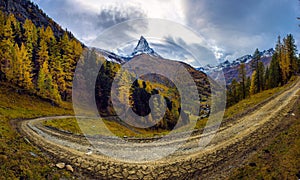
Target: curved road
[232, 144]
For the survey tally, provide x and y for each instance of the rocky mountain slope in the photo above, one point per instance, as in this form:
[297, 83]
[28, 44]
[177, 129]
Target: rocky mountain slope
[25, 9]
[230, 69]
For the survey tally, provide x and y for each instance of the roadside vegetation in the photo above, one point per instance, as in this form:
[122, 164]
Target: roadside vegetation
[279, 159]
[284, 65]
[20, 159]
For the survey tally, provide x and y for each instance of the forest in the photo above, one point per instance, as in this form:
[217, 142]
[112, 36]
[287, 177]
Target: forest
[35, 60]
[283, 66]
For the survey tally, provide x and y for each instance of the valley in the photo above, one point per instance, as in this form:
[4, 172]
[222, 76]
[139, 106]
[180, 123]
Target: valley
[129, 108]
[234, 142]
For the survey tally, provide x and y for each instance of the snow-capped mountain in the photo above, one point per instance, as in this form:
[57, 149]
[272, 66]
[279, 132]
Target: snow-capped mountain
[110, 56]
[230, 69]
[141, 48]
[227, 64]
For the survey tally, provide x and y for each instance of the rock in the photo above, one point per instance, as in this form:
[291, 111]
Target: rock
[60, 165]
[89, 153]
[69, 168]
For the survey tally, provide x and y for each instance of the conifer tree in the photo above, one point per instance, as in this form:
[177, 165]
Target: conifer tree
[291, 58]
[275, 77]
[7, 48]
[30, 38]
[235, 91]
[248, 84]
[260, 77]
[43, 54]
[46, 87]
[242, 78]
[253, 86]
[68, 64]
[257, 66]
[267, 78]
[26, 69]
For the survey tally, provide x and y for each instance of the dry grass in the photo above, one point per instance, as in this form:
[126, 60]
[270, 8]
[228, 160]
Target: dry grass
[18, 159]
[280, 159]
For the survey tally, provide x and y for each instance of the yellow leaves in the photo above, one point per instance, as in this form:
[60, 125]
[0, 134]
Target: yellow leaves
[253, 83]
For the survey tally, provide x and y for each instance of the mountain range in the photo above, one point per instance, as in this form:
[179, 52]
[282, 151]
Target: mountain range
[231, 69]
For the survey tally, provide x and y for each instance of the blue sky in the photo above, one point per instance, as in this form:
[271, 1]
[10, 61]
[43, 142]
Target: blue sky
[231, 28]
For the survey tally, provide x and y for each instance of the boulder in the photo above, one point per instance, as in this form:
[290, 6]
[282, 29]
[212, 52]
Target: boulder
[69, 168]
[60, 165]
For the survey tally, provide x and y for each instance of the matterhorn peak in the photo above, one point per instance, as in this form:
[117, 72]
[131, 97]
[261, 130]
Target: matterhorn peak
[143, 48]
[142, 45]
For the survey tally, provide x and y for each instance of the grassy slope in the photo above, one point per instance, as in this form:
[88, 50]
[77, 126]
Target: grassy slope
[16, 156]
[280, 159]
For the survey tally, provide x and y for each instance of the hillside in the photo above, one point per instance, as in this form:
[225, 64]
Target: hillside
[38, 59]
[145, 86]
[25, 9]
[19, 158]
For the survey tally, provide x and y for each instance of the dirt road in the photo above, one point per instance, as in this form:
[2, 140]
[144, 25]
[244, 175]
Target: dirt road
[232, 144]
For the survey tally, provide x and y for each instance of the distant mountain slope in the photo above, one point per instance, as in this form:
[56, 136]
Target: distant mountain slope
[25, 9]
[144, 51]
[142, 47]
[230, 69]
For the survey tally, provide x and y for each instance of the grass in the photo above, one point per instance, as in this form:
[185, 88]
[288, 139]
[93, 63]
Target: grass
[18, 159]
[280, 159]
[96, 127]
[89, 127]
[254, 100]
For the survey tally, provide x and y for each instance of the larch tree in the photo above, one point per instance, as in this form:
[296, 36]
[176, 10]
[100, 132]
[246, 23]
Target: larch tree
[242, 79]
[68, 64]
[291, 51]
[43, 53]
[26, 69]
[7, 48]
[248, 84]
[256, 67]
[267, 78]
[253, 85]
[275, 77]
[260, 76]
[46, 88]
[30, 38]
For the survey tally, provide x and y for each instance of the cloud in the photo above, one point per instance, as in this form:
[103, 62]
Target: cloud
[86, 22]
[231, 28]
[238, 27]
[109, 17]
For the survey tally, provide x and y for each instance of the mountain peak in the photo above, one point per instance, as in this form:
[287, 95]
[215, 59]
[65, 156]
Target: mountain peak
[143, 48]
[142, 45]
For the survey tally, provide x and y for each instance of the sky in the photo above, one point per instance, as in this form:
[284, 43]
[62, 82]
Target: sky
[231, 28]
